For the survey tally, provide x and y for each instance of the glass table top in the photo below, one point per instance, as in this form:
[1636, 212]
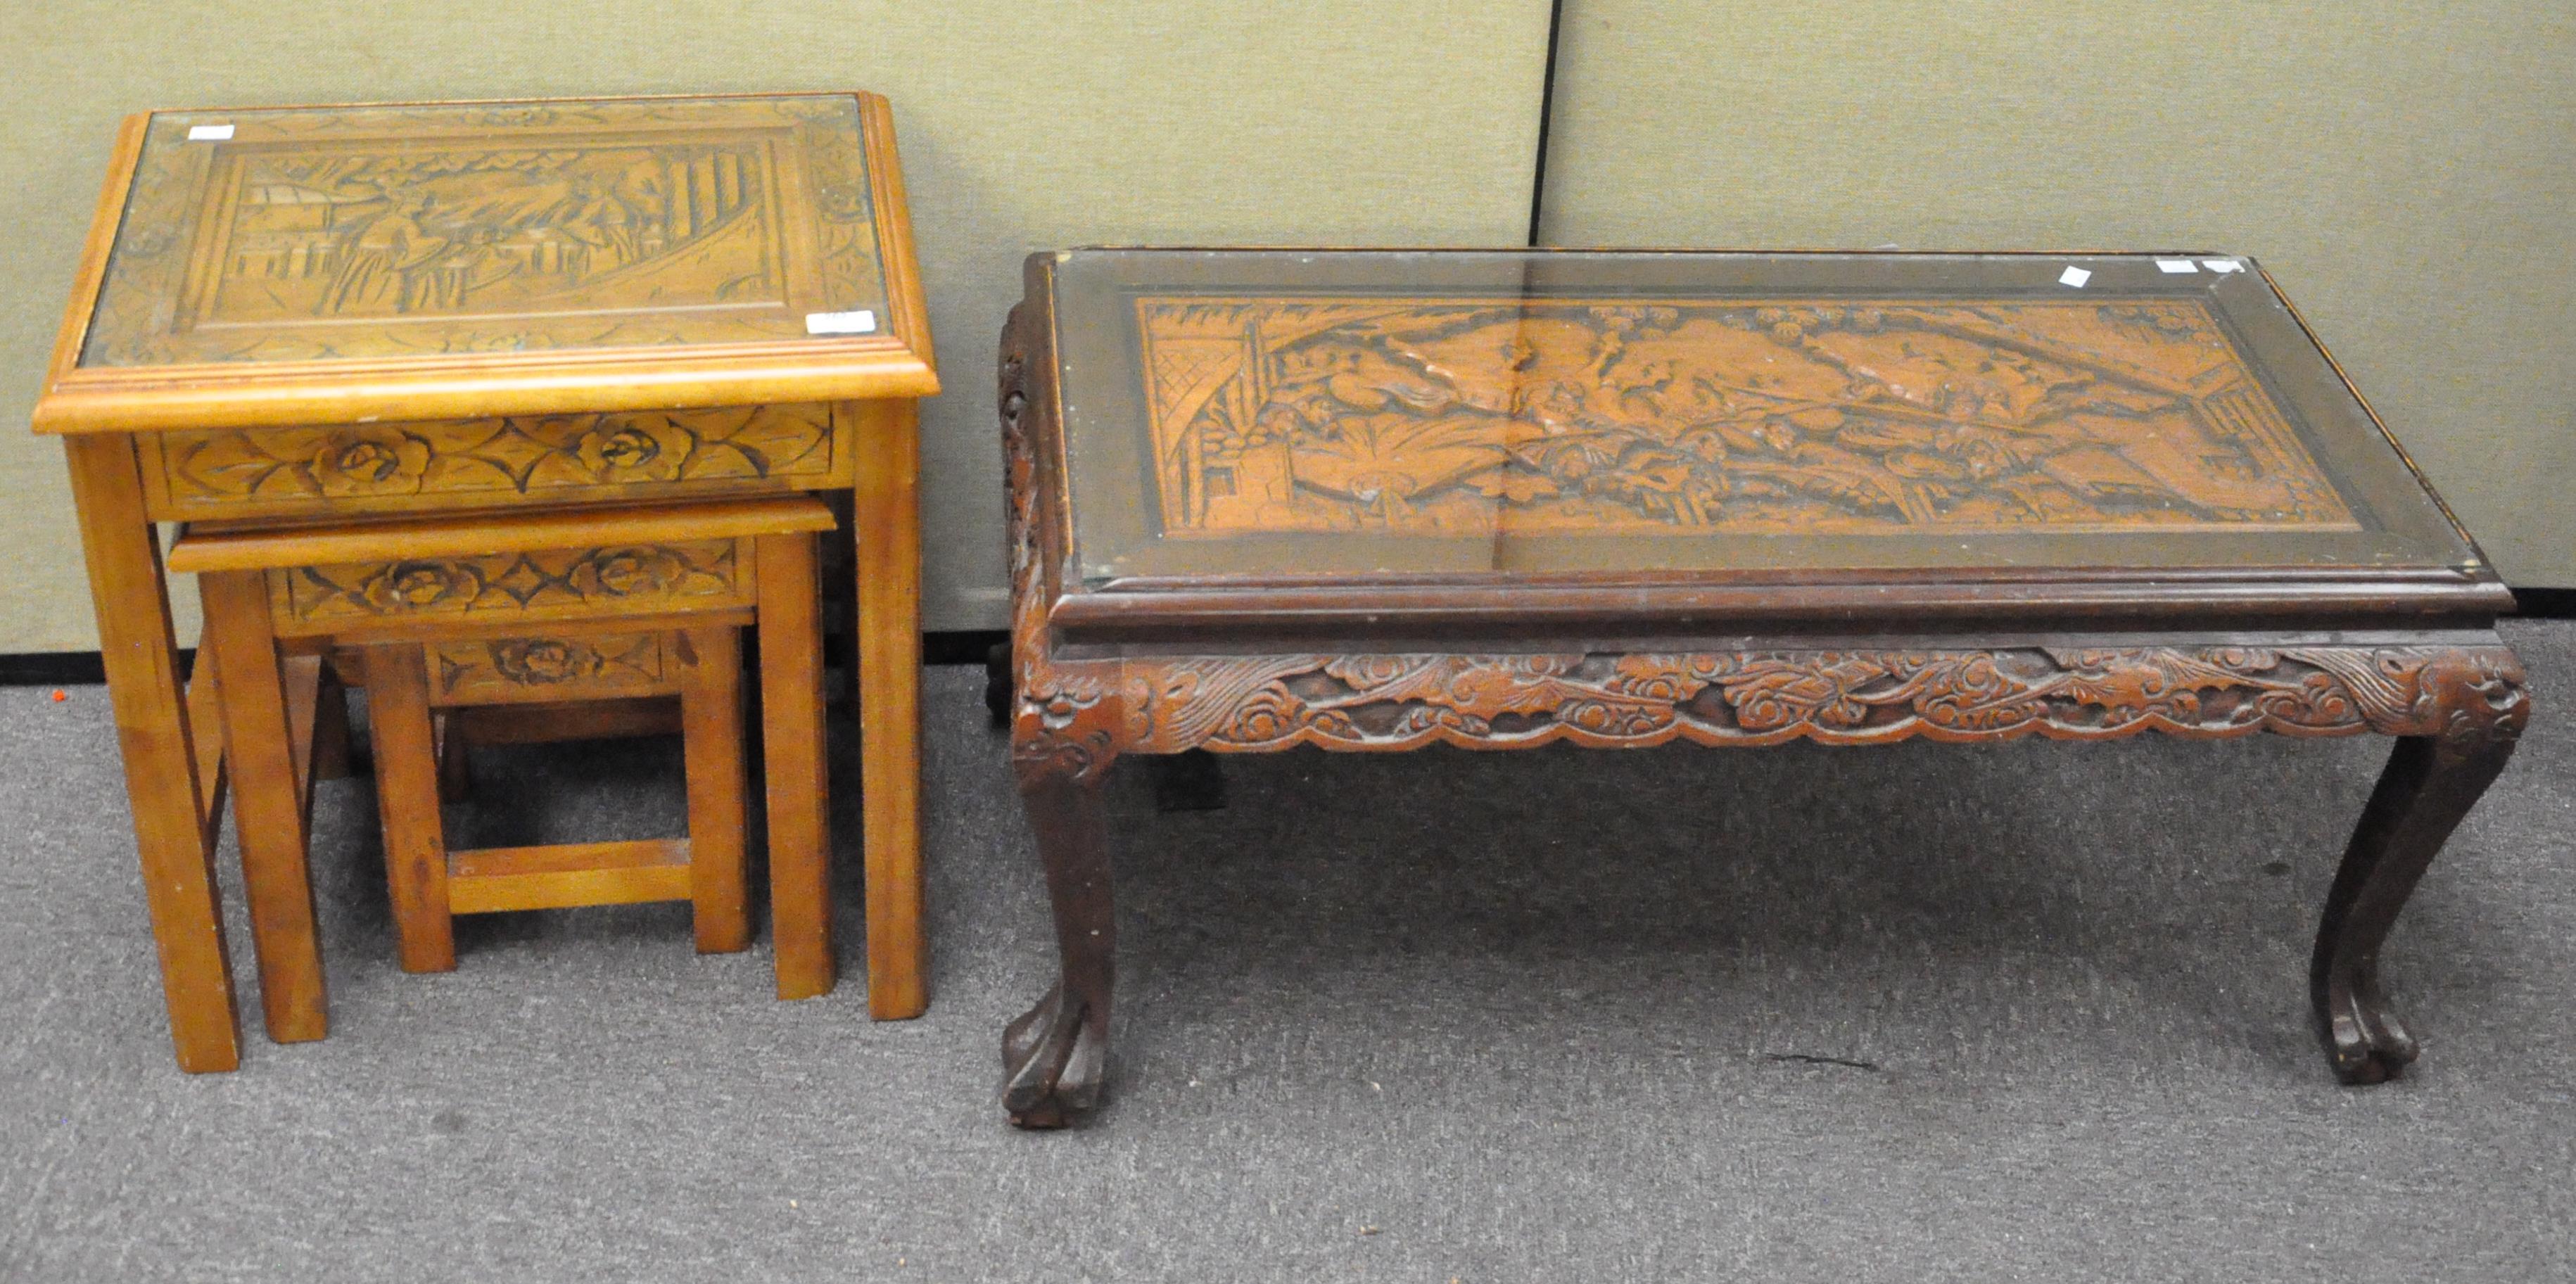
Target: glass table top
[310, 234]
[1270, 413]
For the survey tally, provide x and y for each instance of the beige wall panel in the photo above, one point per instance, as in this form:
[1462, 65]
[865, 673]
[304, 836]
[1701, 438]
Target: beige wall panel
[1023, 126]
[2407, 171]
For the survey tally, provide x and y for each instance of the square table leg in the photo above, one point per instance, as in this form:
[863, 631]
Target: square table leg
[398, 718]
[133, 603]
[711, 744]
[887, 519]
[268, 802]
[793, 764]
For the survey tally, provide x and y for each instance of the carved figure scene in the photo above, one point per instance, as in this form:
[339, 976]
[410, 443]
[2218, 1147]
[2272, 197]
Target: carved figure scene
[1476, 418]
[338, 233]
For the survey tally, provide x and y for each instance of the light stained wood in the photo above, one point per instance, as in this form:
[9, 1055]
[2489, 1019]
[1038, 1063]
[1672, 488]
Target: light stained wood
[141, 658]
[340, 433]
[909, 311]
[559, 876]
[448, 629]
[538, 724]
[316, 393]
[205, 713]
[399, 380]
[233, 474]
[268, 803]
[331, 757]
[302, 676]
[546, 669]
[219, 548]
[888, 509]
[406, 752]
[95, 250]
[791, 715]
[719, 785]
[455, 759]
[535, 588]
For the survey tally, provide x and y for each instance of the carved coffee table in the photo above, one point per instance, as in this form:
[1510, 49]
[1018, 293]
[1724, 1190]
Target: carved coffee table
[1382, 500]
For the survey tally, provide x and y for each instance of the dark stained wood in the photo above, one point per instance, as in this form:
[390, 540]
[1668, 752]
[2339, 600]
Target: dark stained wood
[1191, 780]
[1055, 1056]
[2474, 706]
[1460, 416]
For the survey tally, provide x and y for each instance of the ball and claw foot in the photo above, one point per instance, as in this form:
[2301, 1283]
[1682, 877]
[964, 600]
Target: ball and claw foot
[1051, 1063]
[2363, 1040]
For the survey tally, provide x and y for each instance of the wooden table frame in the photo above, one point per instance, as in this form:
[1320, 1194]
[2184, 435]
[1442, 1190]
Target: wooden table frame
[168, 730]
[1256, 672]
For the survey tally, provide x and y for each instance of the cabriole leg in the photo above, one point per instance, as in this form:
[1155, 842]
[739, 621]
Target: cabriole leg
[2430, 783]
[1054, 1055]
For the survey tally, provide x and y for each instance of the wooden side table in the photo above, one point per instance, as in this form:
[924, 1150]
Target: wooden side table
[340, 312]
[1374, 501]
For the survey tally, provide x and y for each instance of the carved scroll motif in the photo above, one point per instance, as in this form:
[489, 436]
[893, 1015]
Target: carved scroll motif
[1840, 697]
[1477, 418]
[523, 455]
[1068, 718]
[556, 583]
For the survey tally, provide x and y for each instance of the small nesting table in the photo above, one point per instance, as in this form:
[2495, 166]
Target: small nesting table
[1375, 501]
[397, 311]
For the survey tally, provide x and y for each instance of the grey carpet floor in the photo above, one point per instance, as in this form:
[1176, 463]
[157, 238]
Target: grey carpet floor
[2027, 1012]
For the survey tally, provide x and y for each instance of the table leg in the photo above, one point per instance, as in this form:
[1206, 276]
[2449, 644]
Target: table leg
[133, 604]
[1054, 1056]
[887, 518]
[791, 722]
[268, 804]
[2429, 785]
[398, 719]
[711, 742]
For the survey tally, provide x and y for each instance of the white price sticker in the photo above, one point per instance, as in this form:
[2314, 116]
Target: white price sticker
[862, 321]
[2074, 276]
[209, 133]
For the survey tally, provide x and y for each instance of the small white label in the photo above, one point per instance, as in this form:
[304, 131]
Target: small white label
[2074, 276]
[2175, 265]
[862, 321]
[209, 133]
[2222, 265]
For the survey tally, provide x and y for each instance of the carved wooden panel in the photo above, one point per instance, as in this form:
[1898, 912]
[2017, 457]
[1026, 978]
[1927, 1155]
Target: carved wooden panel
[1467, 417]
[391, 467]
[320, 233]
[543, 669]
[622, 580]
[1841, 697]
